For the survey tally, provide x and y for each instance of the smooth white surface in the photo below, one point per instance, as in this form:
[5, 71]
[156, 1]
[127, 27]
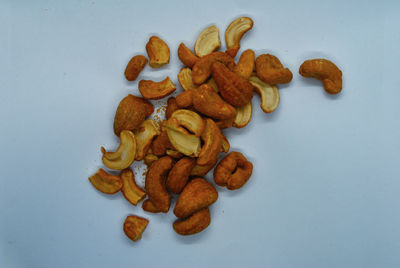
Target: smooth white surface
[325, 188]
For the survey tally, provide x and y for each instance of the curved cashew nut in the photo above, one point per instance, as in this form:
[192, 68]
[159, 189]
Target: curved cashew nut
[130, 190]
[124, 156]
[270, 70]
[186, 55]
[158, 52]
[185, 99]
[233, 171]
[194, 224]
[190, 120]
[134, 67]
[202, 69]
[269, 94]
[156, 90]
[182, 140]
[243, 115]
[172, 106]
[323, 70]
[207, 42]
[106, 183]
[245, 65]
[196, 195]
[155, 183]
[179, 174]
[234, 33]
[212, 138]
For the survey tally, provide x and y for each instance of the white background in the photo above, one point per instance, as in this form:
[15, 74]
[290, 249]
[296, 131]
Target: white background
[325, 188]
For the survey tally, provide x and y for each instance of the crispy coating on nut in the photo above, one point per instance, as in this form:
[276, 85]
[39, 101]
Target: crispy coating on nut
[158, 52]
[324, 70]
[105, 182]
[185, 79]
[269, 94]
[270, 70]
[208, 41]
[179, 174]
[233, 171]
[156, 90]
[234, 89]
[196, 195]
[155, 183]
[172, 106]
[202, 69]
[245, 65]
[124, 156]
[186, 56]
[131, 112]
[134, 67]
[235, 32]
[212, 139]
[160, 144]
[133, 193]
[134, 227]
[193, 224]
[208, 102]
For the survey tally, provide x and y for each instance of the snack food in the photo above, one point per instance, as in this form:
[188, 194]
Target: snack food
[235, 32]
[269, 94]
[202, 69]
[196, 195]
[233, 171]
[134, 67]
[207, 42]
[172, 106]
[270, 70]
[124, 156]
[156, 90]
[134, 227]
[133, 193]
[179, 174]
[186, 80]
[245, 65]
[243, 115]
[194, 224]
[324, 70]
[144, 135]
[212, 138]
[106, 183]
[186, 55]
[158, 52]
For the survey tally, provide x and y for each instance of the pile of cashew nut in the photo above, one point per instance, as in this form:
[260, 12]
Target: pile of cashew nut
[181, 150]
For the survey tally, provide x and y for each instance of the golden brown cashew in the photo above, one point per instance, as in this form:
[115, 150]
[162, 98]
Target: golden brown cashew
[269, 94]
[134, 226]
[270, 70]
[133, 193]
[194, 224]
[212, 138]
[186, 56]
[234, 33]
[144, 135]
[134, 67]
[158, 52]
[125, 154]
[155, 183]
[202, 69]
[179, 174]
[185, 79]
[181, 139]
[172, 106]
[156, 90]
[196, 195]
[245, 65]
[323, 70]
[106, 183]
[233, 171]
[207, 42]
[243, 115]
[190, 120]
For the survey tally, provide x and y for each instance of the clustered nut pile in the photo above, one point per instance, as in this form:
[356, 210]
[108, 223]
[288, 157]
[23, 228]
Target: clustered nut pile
[186, 145]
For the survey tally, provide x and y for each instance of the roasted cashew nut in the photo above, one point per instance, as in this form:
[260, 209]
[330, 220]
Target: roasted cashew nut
[133, 193]
[105, 182]
[185, 79]
[186, 56]
[243, 115]
[212, 138]
[179, 174]
[134, 227]
[194, 224]
[156, 90]
[202, 69]
[270, 70]
[144, 135]
[186, 143]
[158, 52]
[234, 33]
[323, 70]
[208, 41]
[125, 154]
[269, 94]
[233, 171]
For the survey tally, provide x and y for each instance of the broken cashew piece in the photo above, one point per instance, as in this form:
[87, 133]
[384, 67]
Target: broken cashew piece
[194, 224]
[324, 70]
[134, 227]
[269, 94]
[158, 52]
[156, 90]
[225, 145]
[133, 193]
[185, 79]
[186, 143]
[105, 182]
[245, 65]
[234, 33]
[270, 70]
[243, 115]
[202, 170]
[124, 156]
[185, 99]
[208, 41]
[186, 56]
[134, 67]
[179, 174]
[150, 158]
[144, 135]
[172, 106]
